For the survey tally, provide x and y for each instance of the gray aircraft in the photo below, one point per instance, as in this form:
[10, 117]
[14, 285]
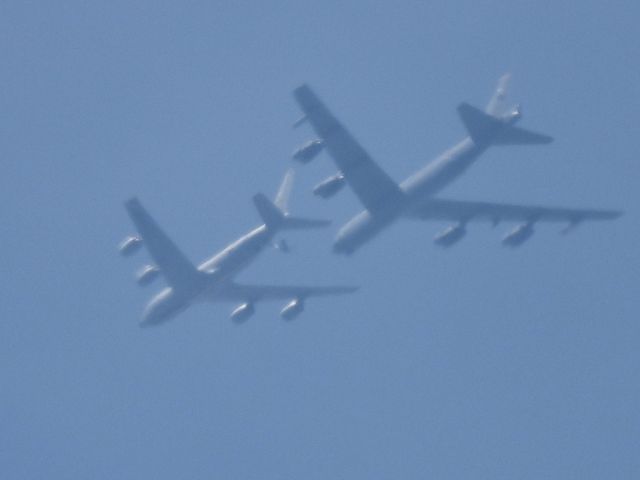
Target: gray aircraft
[213, 280]
[385, 201]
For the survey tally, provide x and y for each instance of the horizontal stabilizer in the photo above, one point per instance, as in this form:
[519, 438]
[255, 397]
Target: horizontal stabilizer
[276, 218]
[301, 223]
[510, 135]
[487, 129]
[481, 127]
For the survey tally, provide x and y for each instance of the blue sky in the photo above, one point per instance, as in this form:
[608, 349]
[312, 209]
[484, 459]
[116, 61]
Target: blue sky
[477, 362]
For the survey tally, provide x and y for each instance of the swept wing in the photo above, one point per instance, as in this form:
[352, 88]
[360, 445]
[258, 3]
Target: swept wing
[253, 293]
[464, 211]
[371, 184]
[179, 272]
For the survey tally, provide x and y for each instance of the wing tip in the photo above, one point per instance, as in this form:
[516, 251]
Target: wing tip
[305, 96]
[303, 87]
[464, 106]
[133, 205]
[260, 197]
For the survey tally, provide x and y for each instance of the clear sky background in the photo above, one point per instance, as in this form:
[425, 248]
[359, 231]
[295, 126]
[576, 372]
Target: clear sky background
[472, 363]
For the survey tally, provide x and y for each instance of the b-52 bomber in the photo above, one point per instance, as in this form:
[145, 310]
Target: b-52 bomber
[385, 201]
[213, 280]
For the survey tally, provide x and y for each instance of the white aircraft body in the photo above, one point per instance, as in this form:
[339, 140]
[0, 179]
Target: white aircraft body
[385, 201]
[213, 280]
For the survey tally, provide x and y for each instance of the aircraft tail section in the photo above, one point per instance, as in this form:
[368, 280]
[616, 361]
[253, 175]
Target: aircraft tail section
[284, 192]
[511, 135]
[271, 215]
[497, 106]
[496, 125]
[302, 223]
[277, 219]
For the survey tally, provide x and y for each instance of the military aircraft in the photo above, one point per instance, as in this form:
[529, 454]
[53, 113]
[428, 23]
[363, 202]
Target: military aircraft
[213, 280]
[385, 201]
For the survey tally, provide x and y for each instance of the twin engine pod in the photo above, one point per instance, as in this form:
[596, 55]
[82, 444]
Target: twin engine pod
[308, 151]
[292, 309]
[518, 235]
[453, 234]
[130, 245]
[242, 313]
[147, 274]
[330, 186]
[450, 235]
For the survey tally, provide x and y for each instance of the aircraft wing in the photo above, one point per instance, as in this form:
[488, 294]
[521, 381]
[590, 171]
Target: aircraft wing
[176, 268]
[252, 293]
[463, 211]
[370, 183]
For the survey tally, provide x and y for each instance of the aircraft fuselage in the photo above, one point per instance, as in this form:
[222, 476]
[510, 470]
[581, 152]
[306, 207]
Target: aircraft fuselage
[215, 272]
[239, 254]
[425, 183]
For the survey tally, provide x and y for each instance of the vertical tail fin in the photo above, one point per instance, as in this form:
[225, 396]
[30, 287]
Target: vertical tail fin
[497, 105]
[271, 215]
[275, 215]
[284, 192]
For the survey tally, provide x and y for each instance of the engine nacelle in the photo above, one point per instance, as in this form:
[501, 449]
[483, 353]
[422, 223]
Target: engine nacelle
[242, 313]
[330, 186]
[130, 245]
[292, 309]
[147, 274]
[308, 151]
[450, 235]
[282, 246]
[518, 235]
